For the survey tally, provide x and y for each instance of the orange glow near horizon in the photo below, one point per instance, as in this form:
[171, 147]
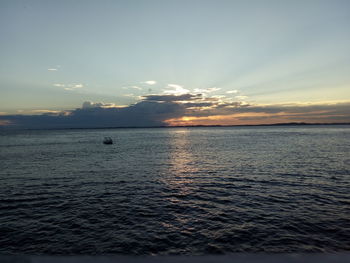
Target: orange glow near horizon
[231, 119]
[248, 118]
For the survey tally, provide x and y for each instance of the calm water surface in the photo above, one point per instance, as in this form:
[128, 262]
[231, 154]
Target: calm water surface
[175, 191]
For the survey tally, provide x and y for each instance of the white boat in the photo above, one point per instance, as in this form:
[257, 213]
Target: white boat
[107, 140]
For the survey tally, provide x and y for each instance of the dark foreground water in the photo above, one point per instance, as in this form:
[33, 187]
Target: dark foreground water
[175, 191]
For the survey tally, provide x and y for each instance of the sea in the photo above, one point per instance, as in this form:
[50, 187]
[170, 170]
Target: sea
[175, 191]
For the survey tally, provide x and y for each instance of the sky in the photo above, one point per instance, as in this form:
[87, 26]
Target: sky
[166, 62]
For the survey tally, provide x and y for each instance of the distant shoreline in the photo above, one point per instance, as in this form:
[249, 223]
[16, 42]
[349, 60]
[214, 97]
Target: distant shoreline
[186, 126]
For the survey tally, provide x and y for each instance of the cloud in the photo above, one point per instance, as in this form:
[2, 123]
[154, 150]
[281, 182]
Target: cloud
[46, 111]
[90, 105]
[90, 115]
[239, 113]
[232, 91]
[130, 95]
[241, 97]
[175, 86]
[179, 109]
[172, 98]
[209, 90]
[69, 86]
[149, 82]
[59, 85]
[133, 87]
[136, 87]
[176, 89]
[56, 68]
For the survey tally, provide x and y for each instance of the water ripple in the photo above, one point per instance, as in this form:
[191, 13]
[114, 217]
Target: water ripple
[197, 191]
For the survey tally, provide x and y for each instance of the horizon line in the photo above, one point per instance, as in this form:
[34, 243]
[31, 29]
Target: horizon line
[184, 126]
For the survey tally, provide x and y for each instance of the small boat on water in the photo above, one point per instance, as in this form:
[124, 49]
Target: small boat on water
[107, 140]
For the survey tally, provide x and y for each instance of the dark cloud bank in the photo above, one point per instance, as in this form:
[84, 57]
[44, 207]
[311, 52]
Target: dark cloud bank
[154, 110]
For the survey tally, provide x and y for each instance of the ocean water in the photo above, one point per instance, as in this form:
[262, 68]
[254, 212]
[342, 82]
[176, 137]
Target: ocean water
[188, 191]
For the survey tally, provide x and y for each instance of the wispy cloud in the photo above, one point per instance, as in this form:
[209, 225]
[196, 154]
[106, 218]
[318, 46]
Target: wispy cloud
[74, 87]
[136, 87]
[59, 85]
[209, 90]
[133, 87]
[171, 98]
[69, 86]
[175, 89]
[175, 86]
[55, 68]
[45, 111]
[130, 95]
[149, 82]
[232, 91]
[241, 97]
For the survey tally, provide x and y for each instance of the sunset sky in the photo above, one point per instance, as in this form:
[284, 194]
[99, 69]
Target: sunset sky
[150, 63]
